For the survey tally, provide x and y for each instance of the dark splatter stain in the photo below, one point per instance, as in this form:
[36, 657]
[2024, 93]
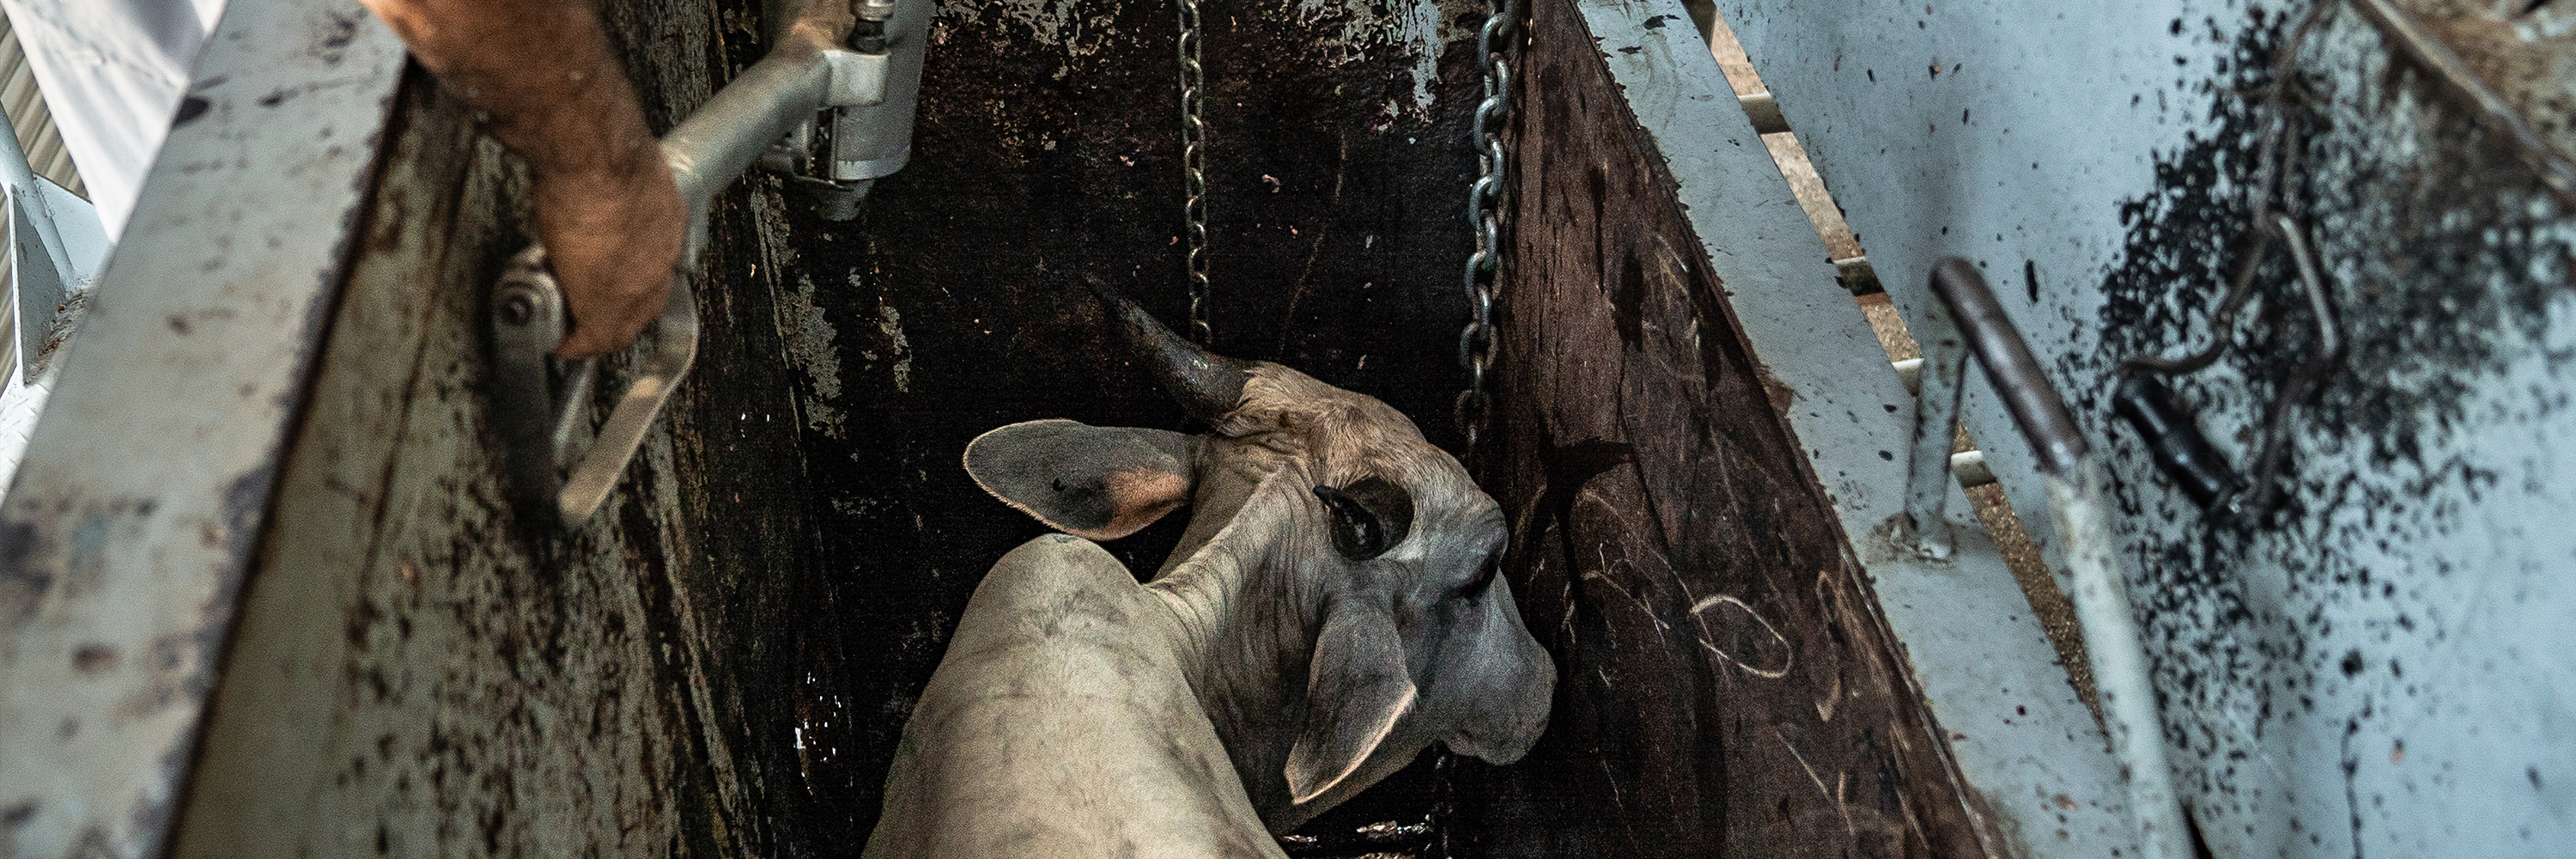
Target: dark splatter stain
[24, 581]
[94, 658]
[2439, 261]
[190, 108]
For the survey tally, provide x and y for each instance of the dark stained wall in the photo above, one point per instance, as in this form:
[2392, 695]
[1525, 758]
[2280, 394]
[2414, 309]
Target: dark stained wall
[720, 662]
[1728, 686]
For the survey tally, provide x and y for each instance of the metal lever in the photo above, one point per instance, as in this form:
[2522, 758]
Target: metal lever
[2076, 483]
[2175, 441]
[811, 70]
[538, 428]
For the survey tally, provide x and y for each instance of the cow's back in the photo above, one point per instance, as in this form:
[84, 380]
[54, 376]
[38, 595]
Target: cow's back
[1059, 725]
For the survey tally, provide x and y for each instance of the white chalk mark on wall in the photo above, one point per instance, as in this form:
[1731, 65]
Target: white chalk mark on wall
[1788, 656]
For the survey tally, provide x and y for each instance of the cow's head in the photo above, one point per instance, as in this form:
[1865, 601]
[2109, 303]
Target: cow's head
[1339, 572]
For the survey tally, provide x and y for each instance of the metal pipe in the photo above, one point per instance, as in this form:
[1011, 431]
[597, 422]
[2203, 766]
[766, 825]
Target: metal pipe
[766, 102]
[2016, 375]
[2101, 595]
[2121, 672]
[1926, 528]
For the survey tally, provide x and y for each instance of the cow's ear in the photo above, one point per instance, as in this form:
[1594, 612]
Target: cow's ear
[1356, 689]
[1100, 483]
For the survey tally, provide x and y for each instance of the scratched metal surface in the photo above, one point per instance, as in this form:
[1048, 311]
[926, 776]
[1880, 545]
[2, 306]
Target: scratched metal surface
[2025, 746]
[128, 528]
[2379, 673]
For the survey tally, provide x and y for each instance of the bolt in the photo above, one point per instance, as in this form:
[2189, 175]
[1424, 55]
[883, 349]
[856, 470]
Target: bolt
[518, 309]
[868, 36]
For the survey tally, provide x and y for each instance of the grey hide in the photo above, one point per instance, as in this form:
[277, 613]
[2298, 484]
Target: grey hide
[1263, 676]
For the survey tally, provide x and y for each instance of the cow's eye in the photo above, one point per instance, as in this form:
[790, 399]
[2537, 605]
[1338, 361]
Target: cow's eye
[1485, 575]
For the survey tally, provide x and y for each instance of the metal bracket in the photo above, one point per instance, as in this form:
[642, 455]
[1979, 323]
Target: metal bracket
[864, 131]
[813, 69]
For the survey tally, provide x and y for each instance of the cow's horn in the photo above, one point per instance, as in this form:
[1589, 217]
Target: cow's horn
[1208, 386]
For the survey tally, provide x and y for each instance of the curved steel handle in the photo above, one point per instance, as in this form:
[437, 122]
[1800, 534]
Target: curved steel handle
[2025, 390]
[538, 425]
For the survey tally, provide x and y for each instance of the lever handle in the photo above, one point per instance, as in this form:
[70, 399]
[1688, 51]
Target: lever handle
[538, 424]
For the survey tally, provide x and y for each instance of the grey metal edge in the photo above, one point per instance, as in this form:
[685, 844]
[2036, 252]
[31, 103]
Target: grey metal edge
[126, 533]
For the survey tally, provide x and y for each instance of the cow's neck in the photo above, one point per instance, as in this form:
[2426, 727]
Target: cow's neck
[1246, 623]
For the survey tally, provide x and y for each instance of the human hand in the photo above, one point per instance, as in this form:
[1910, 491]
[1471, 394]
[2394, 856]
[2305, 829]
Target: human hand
[613, 237]
[548, 86]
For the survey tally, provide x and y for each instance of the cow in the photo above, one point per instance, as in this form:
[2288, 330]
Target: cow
[1332, 609]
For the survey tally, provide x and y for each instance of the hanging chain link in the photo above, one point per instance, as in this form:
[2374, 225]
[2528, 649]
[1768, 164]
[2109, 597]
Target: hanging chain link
[1485, 207]
[1194, 169]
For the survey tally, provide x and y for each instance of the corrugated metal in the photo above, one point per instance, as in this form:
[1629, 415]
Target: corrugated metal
[30, 118]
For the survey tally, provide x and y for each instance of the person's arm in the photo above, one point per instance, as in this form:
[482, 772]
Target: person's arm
[606, 208]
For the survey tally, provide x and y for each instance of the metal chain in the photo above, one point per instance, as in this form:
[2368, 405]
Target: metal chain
[1484, 270]
[1484, 218]
[1194, 169]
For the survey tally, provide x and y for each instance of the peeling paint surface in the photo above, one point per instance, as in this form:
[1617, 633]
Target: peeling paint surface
[2378, 671]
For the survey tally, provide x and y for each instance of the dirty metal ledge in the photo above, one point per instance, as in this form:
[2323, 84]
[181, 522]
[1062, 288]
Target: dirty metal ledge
[127, 531]
[2026, 747]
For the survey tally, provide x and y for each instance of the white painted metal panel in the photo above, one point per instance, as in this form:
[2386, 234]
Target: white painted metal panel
[2381, 672]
